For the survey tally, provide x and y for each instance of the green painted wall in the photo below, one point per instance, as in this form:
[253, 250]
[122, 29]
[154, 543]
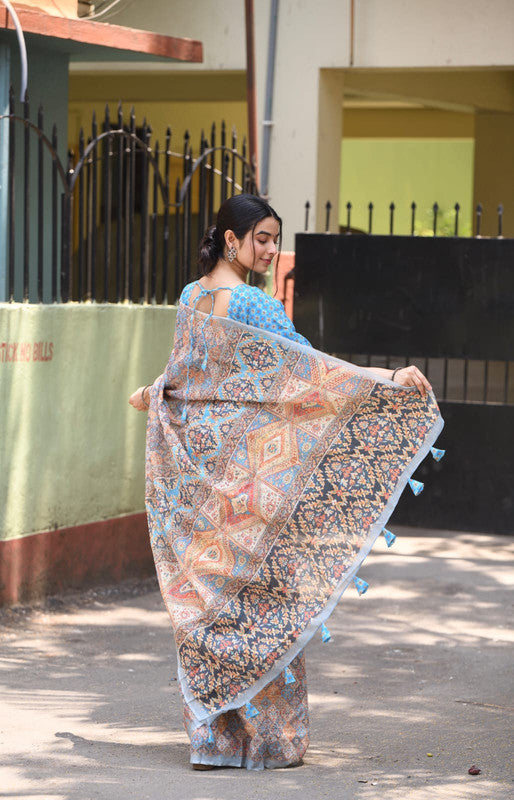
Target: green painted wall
[71, 448]
[403, 171]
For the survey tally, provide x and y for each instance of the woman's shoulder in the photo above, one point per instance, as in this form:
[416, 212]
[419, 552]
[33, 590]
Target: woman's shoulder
[260, 308]
[186, 292]
[249, 297]
[255, 295]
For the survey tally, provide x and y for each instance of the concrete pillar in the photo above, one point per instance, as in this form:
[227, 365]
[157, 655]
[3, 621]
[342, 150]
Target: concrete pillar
[330, 132]
[306, 150]
[494, 170]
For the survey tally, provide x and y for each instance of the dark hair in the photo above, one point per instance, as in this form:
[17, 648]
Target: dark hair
[240, 214]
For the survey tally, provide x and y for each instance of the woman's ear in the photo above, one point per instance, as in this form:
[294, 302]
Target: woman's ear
[230, 238]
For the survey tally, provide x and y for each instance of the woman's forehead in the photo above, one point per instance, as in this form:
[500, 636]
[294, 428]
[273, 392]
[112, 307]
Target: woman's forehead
[269, 226]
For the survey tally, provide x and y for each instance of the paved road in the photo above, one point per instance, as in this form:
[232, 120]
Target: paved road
[421, 664]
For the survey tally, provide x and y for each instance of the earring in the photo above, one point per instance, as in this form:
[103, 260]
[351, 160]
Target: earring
[231, 253]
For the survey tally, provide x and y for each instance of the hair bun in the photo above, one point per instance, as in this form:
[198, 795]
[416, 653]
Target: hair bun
[211, 234]
[210, 250]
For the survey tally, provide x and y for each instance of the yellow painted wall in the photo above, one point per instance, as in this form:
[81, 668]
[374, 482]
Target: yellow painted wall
[406, 155]
[71, 448]
[407, 123]
[402, 171]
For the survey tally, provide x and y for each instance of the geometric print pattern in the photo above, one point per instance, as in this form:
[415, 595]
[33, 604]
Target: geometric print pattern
[271, 468]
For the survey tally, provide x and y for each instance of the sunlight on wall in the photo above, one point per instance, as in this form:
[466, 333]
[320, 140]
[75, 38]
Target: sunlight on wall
[71, 447]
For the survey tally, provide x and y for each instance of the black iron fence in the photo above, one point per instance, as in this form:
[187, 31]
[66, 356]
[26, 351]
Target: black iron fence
[441, 224]
[120, 219]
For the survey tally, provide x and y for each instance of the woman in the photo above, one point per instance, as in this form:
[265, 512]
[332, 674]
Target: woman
[271, 470]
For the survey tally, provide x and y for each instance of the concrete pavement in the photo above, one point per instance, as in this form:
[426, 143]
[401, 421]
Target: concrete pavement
[422, 664]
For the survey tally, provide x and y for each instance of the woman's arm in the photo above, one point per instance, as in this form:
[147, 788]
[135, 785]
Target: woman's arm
[140, 399]
[405, 376]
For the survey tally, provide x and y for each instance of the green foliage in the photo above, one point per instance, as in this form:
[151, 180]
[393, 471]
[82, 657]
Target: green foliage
[424, 226]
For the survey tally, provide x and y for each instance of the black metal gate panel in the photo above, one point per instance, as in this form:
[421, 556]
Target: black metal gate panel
[446, 305]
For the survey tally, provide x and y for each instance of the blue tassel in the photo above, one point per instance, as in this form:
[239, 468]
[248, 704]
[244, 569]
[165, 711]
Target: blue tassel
[325, 634]
[184, 414]
[416, 486]
[251, 711]
[204, 363]
[210, 738]
[437, 455]
[360, 585]
[288, 676]
[389, 537]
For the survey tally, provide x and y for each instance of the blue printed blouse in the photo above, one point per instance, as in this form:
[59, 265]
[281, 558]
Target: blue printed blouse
[251, 305]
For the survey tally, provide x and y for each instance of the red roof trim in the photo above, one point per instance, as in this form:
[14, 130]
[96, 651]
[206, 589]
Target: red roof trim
[104, 35]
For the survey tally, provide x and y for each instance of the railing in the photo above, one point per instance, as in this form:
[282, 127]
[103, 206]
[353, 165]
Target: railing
[454, 380]
[451, 227]
[118, 221]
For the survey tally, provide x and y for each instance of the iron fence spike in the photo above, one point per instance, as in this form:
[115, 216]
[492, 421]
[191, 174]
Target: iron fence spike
[500, 220]
[435, 209]
[479, 210]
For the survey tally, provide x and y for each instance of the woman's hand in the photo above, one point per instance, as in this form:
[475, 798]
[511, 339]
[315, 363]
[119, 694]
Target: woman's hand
[140, 400]
[412, 376]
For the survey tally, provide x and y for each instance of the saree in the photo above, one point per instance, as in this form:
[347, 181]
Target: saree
[271, 469]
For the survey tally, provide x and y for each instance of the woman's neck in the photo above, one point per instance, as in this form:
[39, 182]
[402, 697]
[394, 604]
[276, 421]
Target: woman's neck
[225, 274]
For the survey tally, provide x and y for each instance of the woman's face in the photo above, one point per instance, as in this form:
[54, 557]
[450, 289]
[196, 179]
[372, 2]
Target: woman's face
[258, 248]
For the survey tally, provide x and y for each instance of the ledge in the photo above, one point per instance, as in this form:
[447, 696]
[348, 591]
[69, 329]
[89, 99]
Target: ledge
[87, 40]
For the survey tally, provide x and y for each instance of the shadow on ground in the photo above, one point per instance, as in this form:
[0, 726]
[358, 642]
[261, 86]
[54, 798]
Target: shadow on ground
[422, 664]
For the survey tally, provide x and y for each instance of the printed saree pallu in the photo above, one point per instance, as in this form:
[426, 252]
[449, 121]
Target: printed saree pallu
[271, 470]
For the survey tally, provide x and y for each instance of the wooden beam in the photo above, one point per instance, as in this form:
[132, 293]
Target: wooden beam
[114, 37]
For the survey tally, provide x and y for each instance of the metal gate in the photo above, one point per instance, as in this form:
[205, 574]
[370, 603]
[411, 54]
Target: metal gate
[121, 219]
[447, 305]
